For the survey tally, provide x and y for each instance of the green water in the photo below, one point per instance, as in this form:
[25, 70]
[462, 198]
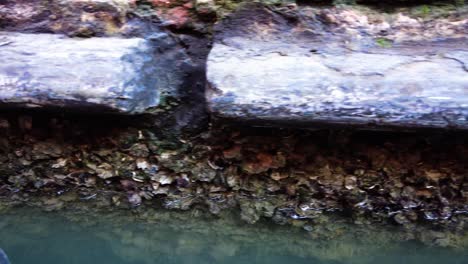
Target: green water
[32, 236]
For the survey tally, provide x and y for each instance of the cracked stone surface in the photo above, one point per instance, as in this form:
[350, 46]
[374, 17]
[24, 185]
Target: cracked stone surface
[266, 71]
[106, 74]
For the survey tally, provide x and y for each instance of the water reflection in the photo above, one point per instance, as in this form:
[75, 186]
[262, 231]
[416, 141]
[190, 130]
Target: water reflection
[31, 236]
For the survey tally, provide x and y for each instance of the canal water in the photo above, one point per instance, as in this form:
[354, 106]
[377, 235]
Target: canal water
[31, 236]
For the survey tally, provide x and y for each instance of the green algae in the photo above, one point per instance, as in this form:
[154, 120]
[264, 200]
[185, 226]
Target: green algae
[383, 42]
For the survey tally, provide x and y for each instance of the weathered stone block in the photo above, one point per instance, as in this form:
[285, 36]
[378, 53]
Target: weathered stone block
[276, 70]
[109, 74]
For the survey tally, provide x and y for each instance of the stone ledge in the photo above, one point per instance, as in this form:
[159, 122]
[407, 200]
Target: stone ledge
[109, 74]
[272, 70]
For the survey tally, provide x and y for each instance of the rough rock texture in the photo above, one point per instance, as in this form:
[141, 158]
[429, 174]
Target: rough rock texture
[113, 74]
[180, 59]
[416, 181]
[74, 17]
[282, 69]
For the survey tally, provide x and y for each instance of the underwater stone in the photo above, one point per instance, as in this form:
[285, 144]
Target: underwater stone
[3, 257]
[104, 74]
[273, 71]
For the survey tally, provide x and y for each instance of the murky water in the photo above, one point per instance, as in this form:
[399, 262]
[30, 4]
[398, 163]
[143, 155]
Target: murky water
[32, 236]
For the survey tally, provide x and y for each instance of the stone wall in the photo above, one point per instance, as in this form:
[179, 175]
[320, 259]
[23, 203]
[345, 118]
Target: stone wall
[232, 119]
